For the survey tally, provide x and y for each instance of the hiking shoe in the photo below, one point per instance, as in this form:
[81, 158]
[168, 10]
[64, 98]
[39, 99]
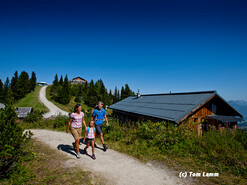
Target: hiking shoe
[105, 147]
[78, 155]
[93, 156]
[84, 151]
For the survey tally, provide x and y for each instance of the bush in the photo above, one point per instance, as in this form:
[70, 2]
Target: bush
[34, 116]
[13, 143]
[60, 122]
[226, 151]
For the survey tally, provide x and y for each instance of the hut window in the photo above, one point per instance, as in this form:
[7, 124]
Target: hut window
[214, 108]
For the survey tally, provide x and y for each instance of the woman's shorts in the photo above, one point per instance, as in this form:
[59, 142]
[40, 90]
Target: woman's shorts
[76, 133]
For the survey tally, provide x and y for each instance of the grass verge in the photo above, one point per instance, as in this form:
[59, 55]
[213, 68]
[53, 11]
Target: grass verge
[32, 100]
[48, 167]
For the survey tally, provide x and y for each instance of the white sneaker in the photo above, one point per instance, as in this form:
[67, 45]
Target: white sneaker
[78, 155]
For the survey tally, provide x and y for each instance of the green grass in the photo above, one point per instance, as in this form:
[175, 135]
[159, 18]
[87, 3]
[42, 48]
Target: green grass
[32, 100]
[212, 153]
[67, 107]
[47, 167]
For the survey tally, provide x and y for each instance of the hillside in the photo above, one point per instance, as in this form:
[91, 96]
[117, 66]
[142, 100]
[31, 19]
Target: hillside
[32, 100]
[67, 107]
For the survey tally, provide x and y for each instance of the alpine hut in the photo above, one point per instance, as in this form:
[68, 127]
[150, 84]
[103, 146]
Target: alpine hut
[204, 108]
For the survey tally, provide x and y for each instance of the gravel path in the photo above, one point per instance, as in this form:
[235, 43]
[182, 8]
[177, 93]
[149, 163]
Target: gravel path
[54, 110]
[116, 167]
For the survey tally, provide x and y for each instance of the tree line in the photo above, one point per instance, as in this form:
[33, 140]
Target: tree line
[18, 87]
[89, 93]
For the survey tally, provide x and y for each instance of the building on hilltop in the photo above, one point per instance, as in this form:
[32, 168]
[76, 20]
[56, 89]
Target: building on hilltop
[205, 108]
[42, 83]
[78, 80]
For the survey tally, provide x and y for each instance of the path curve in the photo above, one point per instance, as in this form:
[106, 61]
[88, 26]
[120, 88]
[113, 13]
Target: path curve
[115, 167]
[53, 109]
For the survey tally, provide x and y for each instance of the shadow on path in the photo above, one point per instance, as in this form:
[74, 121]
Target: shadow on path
[96, 147]
[70, 150]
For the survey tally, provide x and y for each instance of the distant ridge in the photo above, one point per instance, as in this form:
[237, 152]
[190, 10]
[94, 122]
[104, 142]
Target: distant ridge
[239, 105]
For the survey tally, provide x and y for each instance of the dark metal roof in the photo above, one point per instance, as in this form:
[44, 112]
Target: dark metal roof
[225, 119]
[172, 106]
[22, 112]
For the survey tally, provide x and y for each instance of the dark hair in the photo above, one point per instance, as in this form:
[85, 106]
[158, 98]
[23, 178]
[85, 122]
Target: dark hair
[76, 107]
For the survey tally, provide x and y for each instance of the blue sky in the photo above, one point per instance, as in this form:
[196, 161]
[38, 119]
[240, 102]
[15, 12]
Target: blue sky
[154, 46]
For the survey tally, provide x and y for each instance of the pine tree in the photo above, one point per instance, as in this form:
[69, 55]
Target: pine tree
[54, 87]
[13, 143]
[128, 92]
[23, 85]
[110, 98]
[85, 91]
[97, 87]
[61, 80]
[118, 95]
[92, 97]
[115, 99]
[65, 91]
[1, 91]
[122, 93]
[55, 82]
[6, 88]
[78, 97]
[14, 81]
[32, 81]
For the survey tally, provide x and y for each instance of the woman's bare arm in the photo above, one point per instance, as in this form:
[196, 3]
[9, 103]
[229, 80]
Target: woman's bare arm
[83, 121]
[70, 120]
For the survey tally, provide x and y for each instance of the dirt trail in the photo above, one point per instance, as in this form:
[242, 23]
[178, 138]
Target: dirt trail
[116, 167]
[54, 110]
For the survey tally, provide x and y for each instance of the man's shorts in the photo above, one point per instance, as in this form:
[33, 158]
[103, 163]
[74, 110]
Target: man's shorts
[89, 140]
[76, 133]
[98, 129]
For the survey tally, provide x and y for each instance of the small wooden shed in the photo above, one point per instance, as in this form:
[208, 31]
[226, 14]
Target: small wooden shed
[22, 112]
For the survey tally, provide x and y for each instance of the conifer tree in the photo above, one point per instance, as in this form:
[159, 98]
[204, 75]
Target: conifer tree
[1, 91]
[61, 80]
[122, 93]
[6, 88]
[14, 81]
[118, 95]
[55, 82]
[115, 99]
[23, 85]
[13, 143]
[32, 81]
[110, 98]
[65, 91]
[54, 87]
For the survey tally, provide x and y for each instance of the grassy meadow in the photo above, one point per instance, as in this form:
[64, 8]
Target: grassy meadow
[32, 100]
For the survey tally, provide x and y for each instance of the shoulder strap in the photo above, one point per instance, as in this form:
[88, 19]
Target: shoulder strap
[96, 112]
[93, 129]
[87, 129]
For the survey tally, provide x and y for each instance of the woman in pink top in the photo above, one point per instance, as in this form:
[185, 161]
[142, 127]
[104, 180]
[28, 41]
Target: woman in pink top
[76, 120]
